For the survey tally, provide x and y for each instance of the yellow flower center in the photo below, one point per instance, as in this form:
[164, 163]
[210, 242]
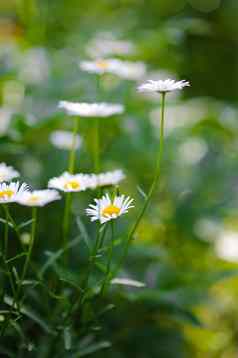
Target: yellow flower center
[102, 65]
[6, 193]
[110, 210]
[72, 184]
[33, 199]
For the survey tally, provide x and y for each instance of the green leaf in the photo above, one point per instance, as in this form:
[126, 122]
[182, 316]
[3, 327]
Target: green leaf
[30, 314]
[93, 348]
[84, 233]
[127, 282]
[68, 276]
[141, 192]
[67, 339]
[6, 222]
[16, 257]
[53, 257]
[24, 224]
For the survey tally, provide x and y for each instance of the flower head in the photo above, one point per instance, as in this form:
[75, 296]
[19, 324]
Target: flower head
[163, 86]
[110, 178]
[124, 69]
[102, 47]
[64, 139]
[106, 209]
[71, 182]
[106, 44]
[38, 197]
[7, 173]
[11, 192]
[91, 109]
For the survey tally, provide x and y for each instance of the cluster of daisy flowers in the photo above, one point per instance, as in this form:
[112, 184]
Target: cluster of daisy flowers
[105, 208]
[14, 192]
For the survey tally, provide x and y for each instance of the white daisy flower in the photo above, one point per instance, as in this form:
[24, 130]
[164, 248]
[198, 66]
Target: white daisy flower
[38, 197]
[110, 178]
[125, 69]
[103, 46]
[64, 139]
[71, 182]
[163, 86]
[107, 44]
[107, 209]
[7, 173]
[11, 192]
[91, 109]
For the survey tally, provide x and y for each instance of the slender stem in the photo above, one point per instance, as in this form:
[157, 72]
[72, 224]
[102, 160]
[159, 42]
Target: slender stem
[153, 185]
[68, 200]
[66, 222]
[32, 240]
[5, 249]
[24, 271]
[110, 255]
[6, 230]
[72, 154]
[80, 300]
[97, 146]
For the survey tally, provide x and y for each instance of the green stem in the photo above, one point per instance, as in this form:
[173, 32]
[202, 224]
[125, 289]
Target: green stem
[24, 271]
[109, 263]
[97, 146]
[72, 154]
[6, 230]
[66, 222]
[152, 188]
[68, 200]
[31, 244]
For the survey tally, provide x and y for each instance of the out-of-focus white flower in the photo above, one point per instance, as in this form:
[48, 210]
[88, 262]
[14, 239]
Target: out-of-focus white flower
[110, 178]
[107, 209]
[38, 197]
[7, 173]
[125, 69]
[91, 109]
[163, 86]
[192, 151]
[71, 182]
[11, 192]
[5, 117]
[64, 139]
[105, 44]
[226, 245]
[34, 66]
[207, 228]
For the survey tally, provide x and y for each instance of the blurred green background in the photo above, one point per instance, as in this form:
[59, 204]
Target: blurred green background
[186, 250]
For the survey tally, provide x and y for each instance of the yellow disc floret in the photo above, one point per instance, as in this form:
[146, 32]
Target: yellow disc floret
[72, 185]
[111, 210]
[6, 193]
[103, 65]
[33, 199]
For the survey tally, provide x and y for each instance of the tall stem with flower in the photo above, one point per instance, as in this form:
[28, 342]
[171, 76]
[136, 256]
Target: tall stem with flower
[68, 200]
[163, 87]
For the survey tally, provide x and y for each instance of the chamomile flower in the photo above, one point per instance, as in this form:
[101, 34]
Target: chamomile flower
[124, 69]
[91, 109]
[107, 44]
[110, 178]
[7, 173]
[161, 86]
[64, 139]
[11, 192]
[71, 182]
[38, 197]
[106, 209]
